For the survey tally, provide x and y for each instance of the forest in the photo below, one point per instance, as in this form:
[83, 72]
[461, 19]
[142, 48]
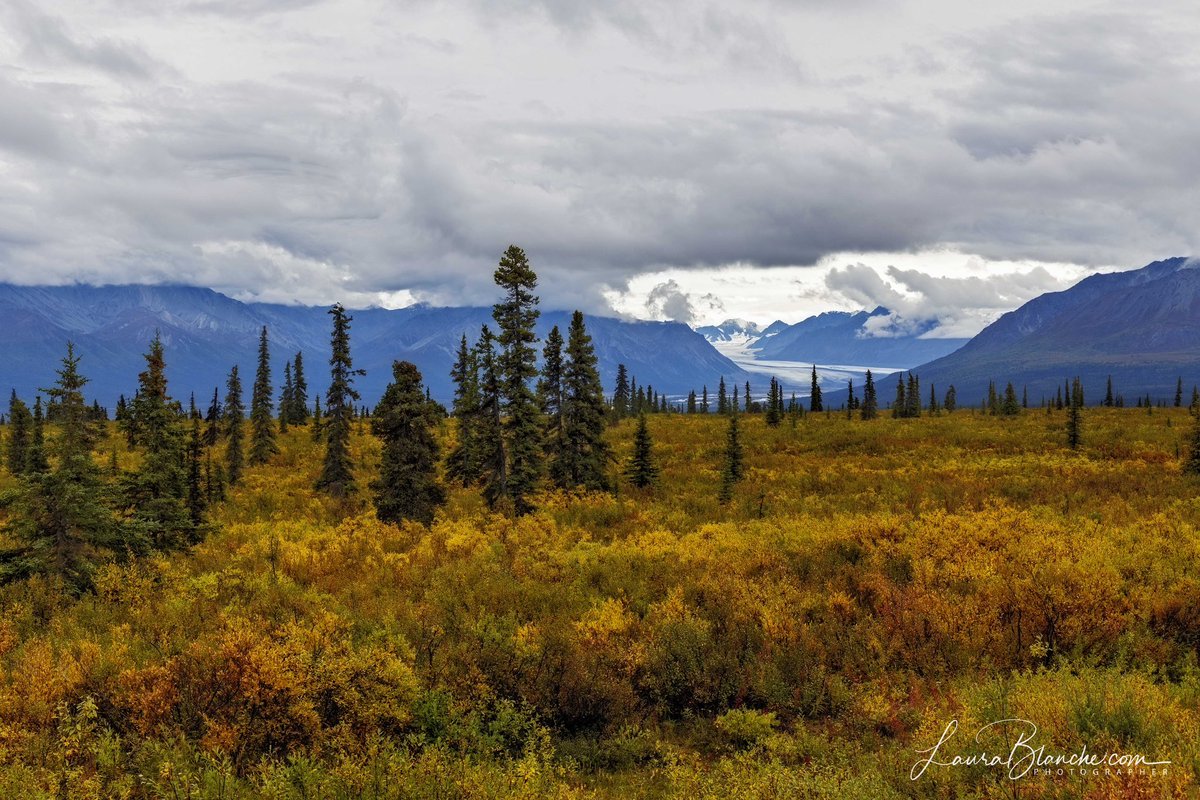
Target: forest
[554, 588]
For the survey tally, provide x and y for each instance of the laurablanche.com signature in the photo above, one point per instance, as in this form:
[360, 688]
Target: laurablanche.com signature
[1026, 758]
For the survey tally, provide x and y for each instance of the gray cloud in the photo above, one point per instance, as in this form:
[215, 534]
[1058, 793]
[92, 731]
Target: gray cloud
[670, 301]
[312, 151]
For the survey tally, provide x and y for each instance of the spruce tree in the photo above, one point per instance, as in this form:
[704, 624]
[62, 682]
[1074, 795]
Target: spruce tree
[1075, 416]
[1192, 465]
[704, 399]
[337, 476]
[551, 392]
[621, 395]
[407, 486]
[298, 415]
[951, 400]
[491, 446]
[262, 427]
[585, 453]
[197, 499]
[235, 429]
[156, 493]
[749, 402]
[318, 426]
[733, 469]
[35, 458]
[691, 402]
[722, 398]
[1179, 392]
[900, 407]
[286, 399]
[774, 411]
[814, 397]
[62, 522]
[870, 401]
[1009, 407]
[641, 470]
[914, 397]
[463, 463]
[516, 315]
[1108, 393]
[212, 420]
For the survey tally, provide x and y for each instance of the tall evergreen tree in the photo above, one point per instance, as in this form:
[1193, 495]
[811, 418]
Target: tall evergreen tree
[1108, 393]
[621, 395]
[951, 401]
[299, 411]
[197, 498]
[900, 407]
[491, 446]
[1179, 392]
[1009, 407]
[516, 315]
[733, 469]
[749, 402]
[19, 423]
[913, 409]
[407, 486]
[287, 399]
[35, 458]
[691, 402]
[235, 429]
[586, 454]
[641, 470]
[814, 397]
[870, 401]
[337, 476]
[212, 419]
[1075, 416]
[318, 426]
[156, 492]
[551, 392]
[774, 404]
[63, 522]
[722, 398]
[262, 427]
[933, 401]
[463, 463]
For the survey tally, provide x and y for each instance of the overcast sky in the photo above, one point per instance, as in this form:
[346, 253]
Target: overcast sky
[661, 158]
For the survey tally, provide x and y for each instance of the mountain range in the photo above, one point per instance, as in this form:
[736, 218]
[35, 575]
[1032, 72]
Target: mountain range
[205, 333]
[1141, 327]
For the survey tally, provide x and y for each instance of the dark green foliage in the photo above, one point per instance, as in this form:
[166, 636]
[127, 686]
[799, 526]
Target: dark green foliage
[585, 454]
[913, 406]
[197, 497]
[407, 486]
[621, 397]
[463, 463]
[951, 401]
[1108, 393]
[212, 420]
[1179, 392]
[774, 413]
[641, 470]
[1009, 407]
[63, 522]
[733, 468]
[262, 427]
[156, 493]
[35, 458]
[286, 399]
[491, 449]
[1075, 416]
[722, 398]
[551, 395]
[515, 315]
[933, 401]
[814, 397]
[704, 400]
[870, 401]
[235, 427]
[298, 410]
[900, 407]
[337, 476]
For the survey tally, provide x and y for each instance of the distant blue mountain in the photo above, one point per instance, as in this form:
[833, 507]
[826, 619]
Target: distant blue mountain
[205, 333]
[1142, 327]
[842, 337]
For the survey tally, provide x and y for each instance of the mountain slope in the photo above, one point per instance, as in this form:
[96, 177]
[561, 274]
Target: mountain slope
[205, 333]
[1142, 327]
[842, 337]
